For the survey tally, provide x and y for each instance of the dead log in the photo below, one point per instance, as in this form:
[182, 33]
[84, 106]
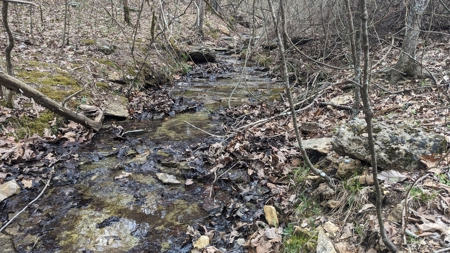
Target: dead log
[18, 86]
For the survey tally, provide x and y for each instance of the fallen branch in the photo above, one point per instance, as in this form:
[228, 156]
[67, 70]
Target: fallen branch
[18, 86]
[63, 103]
[21, 211]
[342, 107]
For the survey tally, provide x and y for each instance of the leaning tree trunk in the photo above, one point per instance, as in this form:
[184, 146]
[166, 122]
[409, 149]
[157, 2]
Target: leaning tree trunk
[40, 98]
[407, 64]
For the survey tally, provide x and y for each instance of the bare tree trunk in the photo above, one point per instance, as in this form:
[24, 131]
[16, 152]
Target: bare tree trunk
[40, 98]
[65, 32]
[136, 26]
[200, 17]
[355, 47]
[126, 12]
[368, 113]
[407, 62]
[283, 24]
[8, 50]
[292, 108]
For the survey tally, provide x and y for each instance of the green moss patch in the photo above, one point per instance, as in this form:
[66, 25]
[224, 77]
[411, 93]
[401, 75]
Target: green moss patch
[107, 62]
[27, 126]
[55, 86]
[88, 42]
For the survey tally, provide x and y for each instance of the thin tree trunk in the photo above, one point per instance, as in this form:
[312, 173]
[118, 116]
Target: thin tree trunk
[283, 24]
[8, 50]
[126, 12]
[292, 108]
[65, 33]
[368, 113]
[200, 17]
[355, 47]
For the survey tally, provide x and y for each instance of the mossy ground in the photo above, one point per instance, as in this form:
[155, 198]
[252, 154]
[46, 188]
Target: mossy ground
[56, 86]
[27, 126]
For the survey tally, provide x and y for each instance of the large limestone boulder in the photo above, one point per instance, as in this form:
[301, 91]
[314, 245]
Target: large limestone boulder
[398, 147]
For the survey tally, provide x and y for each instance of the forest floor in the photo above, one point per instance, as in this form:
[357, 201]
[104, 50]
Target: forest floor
[104, 58]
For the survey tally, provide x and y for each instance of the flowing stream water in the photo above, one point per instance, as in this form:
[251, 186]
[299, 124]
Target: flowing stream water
[111, 197]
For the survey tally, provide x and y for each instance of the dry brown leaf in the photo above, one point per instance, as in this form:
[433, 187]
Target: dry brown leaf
[430, 160]
[27, 183]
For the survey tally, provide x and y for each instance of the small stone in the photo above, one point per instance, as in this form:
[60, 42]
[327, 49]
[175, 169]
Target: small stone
[321, 145]
[330, 228]
[117, 108]
[201, 242]
[324, 244]
[167, 179]
[271, 215]
[332, 204]
[345, 247]
[310, 127]
[8, 189]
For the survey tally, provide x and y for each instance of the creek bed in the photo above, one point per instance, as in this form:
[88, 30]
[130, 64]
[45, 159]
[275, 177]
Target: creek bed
[108, 197]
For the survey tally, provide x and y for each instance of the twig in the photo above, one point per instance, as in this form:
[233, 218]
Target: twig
[283, 113]
[342, 107]
[385, 55]
[405, 205]
[217, 177]
[73, 95]
[313, 60]
[20, 2]
[442, 250]
[213, 135]
[21, 211]
[132, 132]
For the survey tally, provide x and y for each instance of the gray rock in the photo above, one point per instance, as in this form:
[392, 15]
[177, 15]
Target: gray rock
[322, 145]
[324, 244]
[8, 189]
[117, 107]
[310, 127]
[348, 167]
[167, 179]
[398, 147]
[106, 49]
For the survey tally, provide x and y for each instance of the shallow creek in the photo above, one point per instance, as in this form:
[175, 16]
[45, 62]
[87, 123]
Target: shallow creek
[111, 197]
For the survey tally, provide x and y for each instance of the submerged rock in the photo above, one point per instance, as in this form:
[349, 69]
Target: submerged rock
[8, 189]
[398, 147]
[167, 179]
